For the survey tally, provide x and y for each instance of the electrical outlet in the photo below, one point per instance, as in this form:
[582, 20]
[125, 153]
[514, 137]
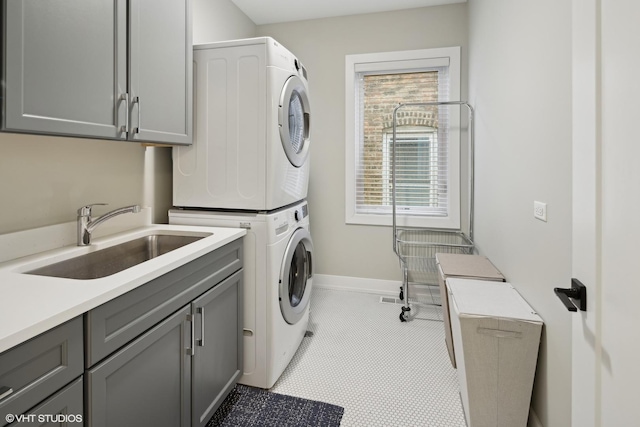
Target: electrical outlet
[540, 211]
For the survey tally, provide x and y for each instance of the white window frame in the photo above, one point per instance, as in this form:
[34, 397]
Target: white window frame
[402, 61]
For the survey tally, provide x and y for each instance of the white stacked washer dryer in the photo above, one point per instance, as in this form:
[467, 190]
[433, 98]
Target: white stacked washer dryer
[249, 167]
[251, 130]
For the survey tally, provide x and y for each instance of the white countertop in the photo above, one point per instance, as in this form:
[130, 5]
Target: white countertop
[30, 304]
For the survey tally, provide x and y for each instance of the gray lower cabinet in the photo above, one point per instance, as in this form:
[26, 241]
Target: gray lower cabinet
[34, 371]
[146, 383]
[218, 355]
[63, 409]
[164, 354]
[116, 69]
[119, 321]
[168, 352]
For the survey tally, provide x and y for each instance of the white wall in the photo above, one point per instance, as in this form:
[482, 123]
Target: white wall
[520, 86]
[321, 45]
[44, 180]
[215, 20]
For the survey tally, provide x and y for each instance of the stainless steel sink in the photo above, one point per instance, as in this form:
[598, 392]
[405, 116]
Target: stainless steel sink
[114, 259]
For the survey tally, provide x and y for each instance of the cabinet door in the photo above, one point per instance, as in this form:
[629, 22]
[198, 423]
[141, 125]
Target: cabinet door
[160, 70]
[147, 382]
[217, 363]
[65, 67]
[36, 369]
[63, 409]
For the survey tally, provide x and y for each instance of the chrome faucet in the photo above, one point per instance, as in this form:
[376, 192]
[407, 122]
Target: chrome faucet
[86, 224]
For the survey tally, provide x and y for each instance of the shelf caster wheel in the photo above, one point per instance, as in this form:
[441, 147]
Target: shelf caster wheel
[403, 314]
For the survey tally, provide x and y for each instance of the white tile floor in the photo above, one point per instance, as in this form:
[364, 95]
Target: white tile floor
[383, 372]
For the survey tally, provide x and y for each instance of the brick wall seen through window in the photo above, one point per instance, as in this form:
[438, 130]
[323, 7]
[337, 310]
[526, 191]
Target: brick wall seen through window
[382, 93]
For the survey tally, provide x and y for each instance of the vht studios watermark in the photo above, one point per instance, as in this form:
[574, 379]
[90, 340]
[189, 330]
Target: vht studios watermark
[44, 418]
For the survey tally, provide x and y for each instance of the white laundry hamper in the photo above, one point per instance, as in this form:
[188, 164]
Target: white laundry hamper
[496, 337]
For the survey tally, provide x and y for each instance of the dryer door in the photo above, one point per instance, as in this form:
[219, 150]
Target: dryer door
[293, 119]
[296, 276]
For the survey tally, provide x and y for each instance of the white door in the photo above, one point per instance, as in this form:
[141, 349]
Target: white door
[606, 216]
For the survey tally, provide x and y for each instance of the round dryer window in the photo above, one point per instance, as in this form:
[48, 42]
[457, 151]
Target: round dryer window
[293, 118]
[296, 276]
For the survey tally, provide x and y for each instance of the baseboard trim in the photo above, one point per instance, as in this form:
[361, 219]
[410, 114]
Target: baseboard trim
[356, 284]
[366, 285]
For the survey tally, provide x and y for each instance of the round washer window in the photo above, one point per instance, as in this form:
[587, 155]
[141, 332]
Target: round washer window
[298, 273]
[296, 276]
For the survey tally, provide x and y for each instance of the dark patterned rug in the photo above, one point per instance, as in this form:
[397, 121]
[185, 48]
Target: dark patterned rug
[249, 406]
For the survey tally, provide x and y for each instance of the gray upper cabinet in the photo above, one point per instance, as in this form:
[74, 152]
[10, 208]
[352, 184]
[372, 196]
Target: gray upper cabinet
[117, 69]
[160, 70]
[65, 67]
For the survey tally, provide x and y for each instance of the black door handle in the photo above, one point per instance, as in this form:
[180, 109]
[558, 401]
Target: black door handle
[577, 292]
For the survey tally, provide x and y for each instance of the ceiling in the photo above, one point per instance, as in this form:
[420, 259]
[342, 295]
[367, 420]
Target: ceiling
[275, 11]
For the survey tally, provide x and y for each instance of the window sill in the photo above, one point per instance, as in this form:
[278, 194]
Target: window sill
[445, 222]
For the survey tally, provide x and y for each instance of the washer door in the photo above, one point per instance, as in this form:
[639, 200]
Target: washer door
[293, 119]
[296, 276]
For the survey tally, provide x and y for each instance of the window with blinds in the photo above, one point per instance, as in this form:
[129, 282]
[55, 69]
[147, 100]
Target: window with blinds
[426, 149]
[420, 177]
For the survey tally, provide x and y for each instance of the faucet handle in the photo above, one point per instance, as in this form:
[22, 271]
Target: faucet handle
[86, 210]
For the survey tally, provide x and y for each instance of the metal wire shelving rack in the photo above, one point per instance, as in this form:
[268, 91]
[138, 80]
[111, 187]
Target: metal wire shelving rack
[416, 248]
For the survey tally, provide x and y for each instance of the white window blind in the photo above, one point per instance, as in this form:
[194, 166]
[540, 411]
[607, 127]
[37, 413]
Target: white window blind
[420, 184]
[427, 138]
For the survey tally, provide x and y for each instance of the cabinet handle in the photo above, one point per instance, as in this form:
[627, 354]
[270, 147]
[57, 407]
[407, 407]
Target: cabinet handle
[125, 97]
[136, 100]
[5, 391]
[499, 333]
[191, 351]
[201, 340]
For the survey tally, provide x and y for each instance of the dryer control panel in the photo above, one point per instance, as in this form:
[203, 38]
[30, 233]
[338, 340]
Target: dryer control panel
[301, 213]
